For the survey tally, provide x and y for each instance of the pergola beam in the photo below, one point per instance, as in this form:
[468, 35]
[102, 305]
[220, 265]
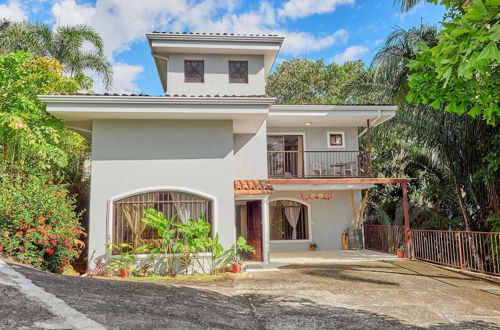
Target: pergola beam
[340, 181]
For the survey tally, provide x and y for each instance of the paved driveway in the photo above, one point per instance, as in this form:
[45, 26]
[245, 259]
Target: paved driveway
[369, 295]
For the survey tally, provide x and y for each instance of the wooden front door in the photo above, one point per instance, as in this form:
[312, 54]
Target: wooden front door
[254, 229]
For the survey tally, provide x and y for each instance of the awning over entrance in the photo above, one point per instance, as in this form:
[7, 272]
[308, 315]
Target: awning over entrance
[253, 187]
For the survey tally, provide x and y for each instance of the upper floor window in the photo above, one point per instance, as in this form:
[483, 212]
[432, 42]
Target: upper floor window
[238, 72]
[336, 140]
[194, 71]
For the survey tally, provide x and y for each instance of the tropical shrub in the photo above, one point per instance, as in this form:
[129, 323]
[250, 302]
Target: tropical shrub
[38, 223]
[179, 245]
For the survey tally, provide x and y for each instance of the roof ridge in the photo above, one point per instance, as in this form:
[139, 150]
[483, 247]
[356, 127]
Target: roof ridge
[221, 34]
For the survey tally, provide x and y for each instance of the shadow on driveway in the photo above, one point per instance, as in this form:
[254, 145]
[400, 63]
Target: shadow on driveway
[133, 305]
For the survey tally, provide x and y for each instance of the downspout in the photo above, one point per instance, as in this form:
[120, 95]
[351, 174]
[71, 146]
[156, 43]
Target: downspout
[379, 115]
[166, 59]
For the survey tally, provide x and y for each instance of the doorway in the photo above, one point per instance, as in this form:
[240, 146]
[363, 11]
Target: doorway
[249, 226]
[286, 155]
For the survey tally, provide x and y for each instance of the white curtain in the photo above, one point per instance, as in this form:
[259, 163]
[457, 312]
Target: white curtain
[183, 211]
[292, 215]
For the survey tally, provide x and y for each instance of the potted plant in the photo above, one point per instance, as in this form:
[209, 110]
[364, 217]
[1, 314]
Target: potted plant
[401, 252]
[313, 247]
[236, 261]
[125, 263]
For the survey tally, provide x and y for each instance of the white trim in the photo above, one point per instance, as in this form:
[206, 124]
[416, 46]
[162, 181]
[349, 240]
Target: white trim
[342, 133]
[309, 220]
[140, 99]
[110, 201]
[340, 107]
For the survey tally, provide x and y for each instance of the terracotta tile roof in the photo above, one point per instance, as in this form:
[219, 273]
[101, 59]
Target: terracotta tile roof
[218, 34]
[167, 95]
[253, 187]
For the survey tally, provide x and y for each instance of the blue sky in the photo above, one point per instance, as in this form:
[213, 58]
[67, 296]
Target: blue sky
[335, 30]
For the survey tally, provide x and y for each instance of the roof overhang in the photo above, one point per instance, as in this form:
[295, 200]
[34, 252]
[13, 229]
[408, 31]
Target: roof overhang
[164, 44]
[329, 115]
[78, 111]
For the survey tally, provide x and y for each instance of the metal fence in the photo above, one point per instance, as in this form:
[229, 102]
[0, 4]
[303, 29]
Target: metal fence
[384, 238]
[311, 164]
[471, 250]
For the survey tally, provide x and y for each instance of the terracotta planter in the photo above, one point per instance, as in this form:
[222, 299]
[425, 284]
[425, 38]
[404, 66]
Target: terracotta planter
[313, 248]
[123, 272]
[236, 268]
[401, 254]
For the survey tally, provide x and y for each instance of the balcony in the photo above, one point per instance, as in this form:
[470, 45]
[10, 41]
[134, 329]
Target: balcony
[318, 164]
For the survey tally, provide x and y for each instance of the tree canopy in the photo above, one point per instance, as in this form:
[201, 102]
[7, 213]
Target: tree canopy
[461, 73]
[304, 81]
[77, 48]
[33, 141]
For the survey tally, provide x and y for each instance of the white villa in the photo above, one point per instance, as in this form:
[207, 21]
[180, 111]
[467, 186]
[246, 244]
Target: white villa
[282, 176]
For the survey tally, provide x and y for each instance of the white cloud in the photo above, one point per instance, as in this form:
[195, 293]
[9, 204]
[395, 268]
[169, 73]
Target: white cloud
[124, 79]
[303, 8]
[12, 11]
[350, 54]
[300, 42]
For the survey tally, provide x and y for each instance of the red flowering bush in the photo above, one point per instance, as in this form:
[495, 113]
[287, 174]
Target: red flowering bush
[38, 224]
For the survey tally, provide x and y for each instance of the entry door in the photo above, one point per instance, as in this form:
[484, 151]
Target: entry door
[254, 229]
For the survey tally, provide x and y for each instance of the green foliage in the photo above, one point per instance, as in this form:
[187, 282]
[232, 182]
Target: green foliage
[461, 74]
[180, 244]
[303, 81]
[33, 141]
[127, 259]
[78, 48]
[38, 223]
[444, 152]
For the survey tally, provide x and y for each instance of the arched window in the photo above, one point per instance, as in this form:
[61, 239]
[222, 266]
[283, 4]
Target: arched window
[128, 212]
[289, 220]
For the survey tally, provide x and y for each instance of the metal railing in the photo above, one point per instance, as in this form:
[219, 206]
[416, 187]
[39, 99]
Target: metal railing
[470, 250]
[384, 238]
[318, 164]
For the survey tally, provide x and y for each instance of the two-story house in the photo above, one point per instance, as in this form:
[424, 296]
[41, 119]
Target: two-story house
[214, 145]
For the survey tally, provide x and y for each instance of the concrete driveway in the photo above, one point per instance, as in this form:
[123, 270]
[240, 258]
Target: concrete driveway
[368, 295]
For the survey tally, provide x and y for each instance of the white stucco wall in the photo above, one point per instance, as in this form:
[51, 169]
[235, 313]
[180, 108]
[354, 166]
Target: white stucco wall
[316, 138]
[129, 156]
[216, 75]
[250, 155]
[328, 220]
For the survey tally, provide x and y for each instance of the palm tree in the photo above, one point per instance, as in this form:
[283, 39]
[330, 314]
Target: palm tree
[456, 145]
[389, 63]
[78, 48]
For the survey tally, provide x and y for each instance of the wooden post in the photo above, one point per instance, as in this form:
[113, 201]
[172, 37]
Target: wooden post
[369, 142]
[406, 212]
